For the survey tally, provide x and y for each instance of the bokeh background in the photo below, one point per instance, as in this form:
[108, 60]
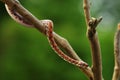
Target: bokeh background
[26, 55]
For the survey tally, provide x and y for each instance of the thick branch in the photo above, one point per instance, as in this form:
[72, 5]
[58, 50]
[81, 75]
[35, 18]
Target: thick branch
[95, 48]
[94, 42]
[116, 74]
[38, 25]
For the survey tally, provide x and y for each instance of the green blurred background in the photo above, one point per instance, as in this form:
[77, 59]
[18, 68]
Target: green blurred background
[26, 55]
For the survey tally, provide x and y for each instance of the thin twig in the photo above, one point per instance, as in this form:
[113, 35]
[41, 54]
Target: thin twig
[86, 6]
[94, 42]
[116, 74]
[63, 43]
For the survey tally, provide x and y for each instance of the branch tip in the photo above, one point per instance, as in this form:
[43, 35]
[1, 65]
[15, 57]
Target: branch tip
[93, 22]
[100, 19]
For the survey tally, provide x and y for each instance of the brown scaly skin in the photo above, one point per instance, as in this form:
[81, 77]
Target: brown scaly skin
[49, 32]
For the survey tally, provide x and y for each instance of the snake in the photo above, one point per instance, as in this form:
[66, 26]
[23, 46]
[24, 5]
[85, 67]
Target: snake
[49, 31]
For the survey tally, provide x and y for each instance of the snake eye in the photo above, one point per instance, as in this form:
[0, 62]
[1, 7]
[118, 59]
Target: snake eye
[47, 22]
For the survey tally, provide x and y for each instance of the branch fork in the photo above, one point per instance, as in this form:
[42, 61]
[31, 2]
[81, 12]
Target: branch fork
[92, 24]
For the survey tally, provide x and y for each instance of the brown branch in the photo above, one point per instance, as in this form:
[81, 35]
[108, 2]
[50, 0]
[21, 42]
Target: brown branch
[95, 48]
[63, 43]
[116, 74]
[86, 6]
[94, 42]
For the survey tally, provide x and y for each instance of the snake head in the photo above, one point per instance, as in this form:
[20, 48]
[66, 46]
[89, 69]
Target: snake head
[48, 24]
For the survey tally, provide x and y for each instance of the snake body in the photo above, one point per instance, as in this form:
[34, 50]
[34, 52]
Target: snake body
[49, 31]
